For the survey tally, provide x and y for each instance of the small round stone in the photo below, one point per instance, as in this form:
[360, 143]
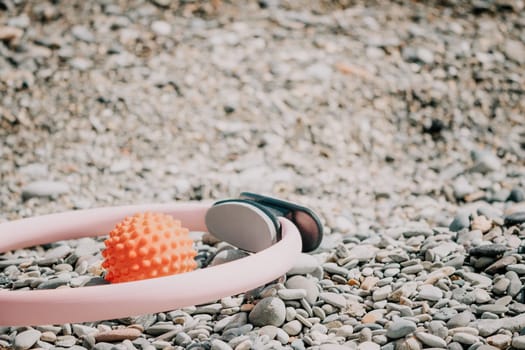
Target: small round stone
[161, 28]
[44, 189]
[500, 341]
[268, 311]
[400, 328]
[26, 339]
[431, 340]
[368, 345]
[334, 299]
[217, 344]
[460, 320]
[344, 331]
[293, 327]
[305, 264]
[465, 338]
[291, 294]
[308, 284]
[518, 342]
[430, 293]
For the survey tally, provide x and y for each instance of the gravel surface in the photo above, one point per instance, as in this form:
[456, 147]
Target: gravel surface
[401, 123]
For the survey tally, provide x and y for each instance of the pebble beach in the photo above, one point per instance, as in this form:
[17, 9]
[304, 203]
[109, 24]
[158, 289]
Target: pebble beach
[401, 123]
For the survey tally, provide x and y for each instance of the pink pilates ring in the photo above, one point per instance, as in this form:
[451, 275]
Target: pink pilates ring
[112, 301]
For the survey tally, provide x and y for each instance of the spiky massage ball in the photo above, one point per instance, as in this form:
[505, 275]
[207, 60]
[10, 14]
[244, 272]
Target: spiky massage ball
[147, 245]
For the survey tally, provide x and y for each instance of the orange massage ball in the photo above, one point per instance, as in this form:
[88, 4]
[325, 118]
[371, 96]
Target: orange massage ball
[147, 245]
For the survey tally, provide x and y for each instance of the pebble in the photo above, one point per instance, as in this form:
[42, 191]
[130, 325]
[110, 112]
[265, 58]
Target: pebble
[382, 293]
[334, 299]
[430, 293]
[515, 50]
[481, 296]
[430, 340]
[513, 219]
[465, 338]
[405, 291]
[500, 341]
[210, 309]
[82, 64]
[307, 284]
[304, 264]
[161, 28]
[291, 294]
[500, 287]
[319, 71]
[445, 249]
[9, 34]
[182, 339]
[516, 195]
[418, 55]
[369, 282]
[481, 223]
[303, 320]
[282, 336]
[462, 319]
[160, 328]
[162, 3]
[82, 33]
[65, 341]
[461, 221]
[44, 189]
[438, 328]
[380, 339]
[400, 328]
[335, 269]
[57, 253]
[244, 345]
[298, 344]
[492, 308]
[470, 238]
[332, 347]
[270, 331]
[410, 343]
[515, 284]
[344, 331]
[217, 344]
[518, 342]
[268, 311]
[372, 316]
[501, 264]
[368, 345]
[26, 339]
[363, 253]
[492, 250]
[455, 346]
[293, 327]
[49, 337]
[517, 268]
[227, 255]
[82, 330]
[365, 335]
[477, 279]
[118, 335]
[485, 162]
[413, 269]
[489, 327]
[54, 283]
[439, 274]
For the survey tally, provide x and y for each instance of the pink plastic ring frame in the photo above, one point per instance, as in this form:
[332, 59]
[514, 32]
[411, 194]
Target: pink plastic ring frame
[36, 307]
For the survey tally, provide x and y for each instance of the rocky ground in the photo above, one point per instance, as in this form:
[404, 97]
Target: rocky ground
[401, 123]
